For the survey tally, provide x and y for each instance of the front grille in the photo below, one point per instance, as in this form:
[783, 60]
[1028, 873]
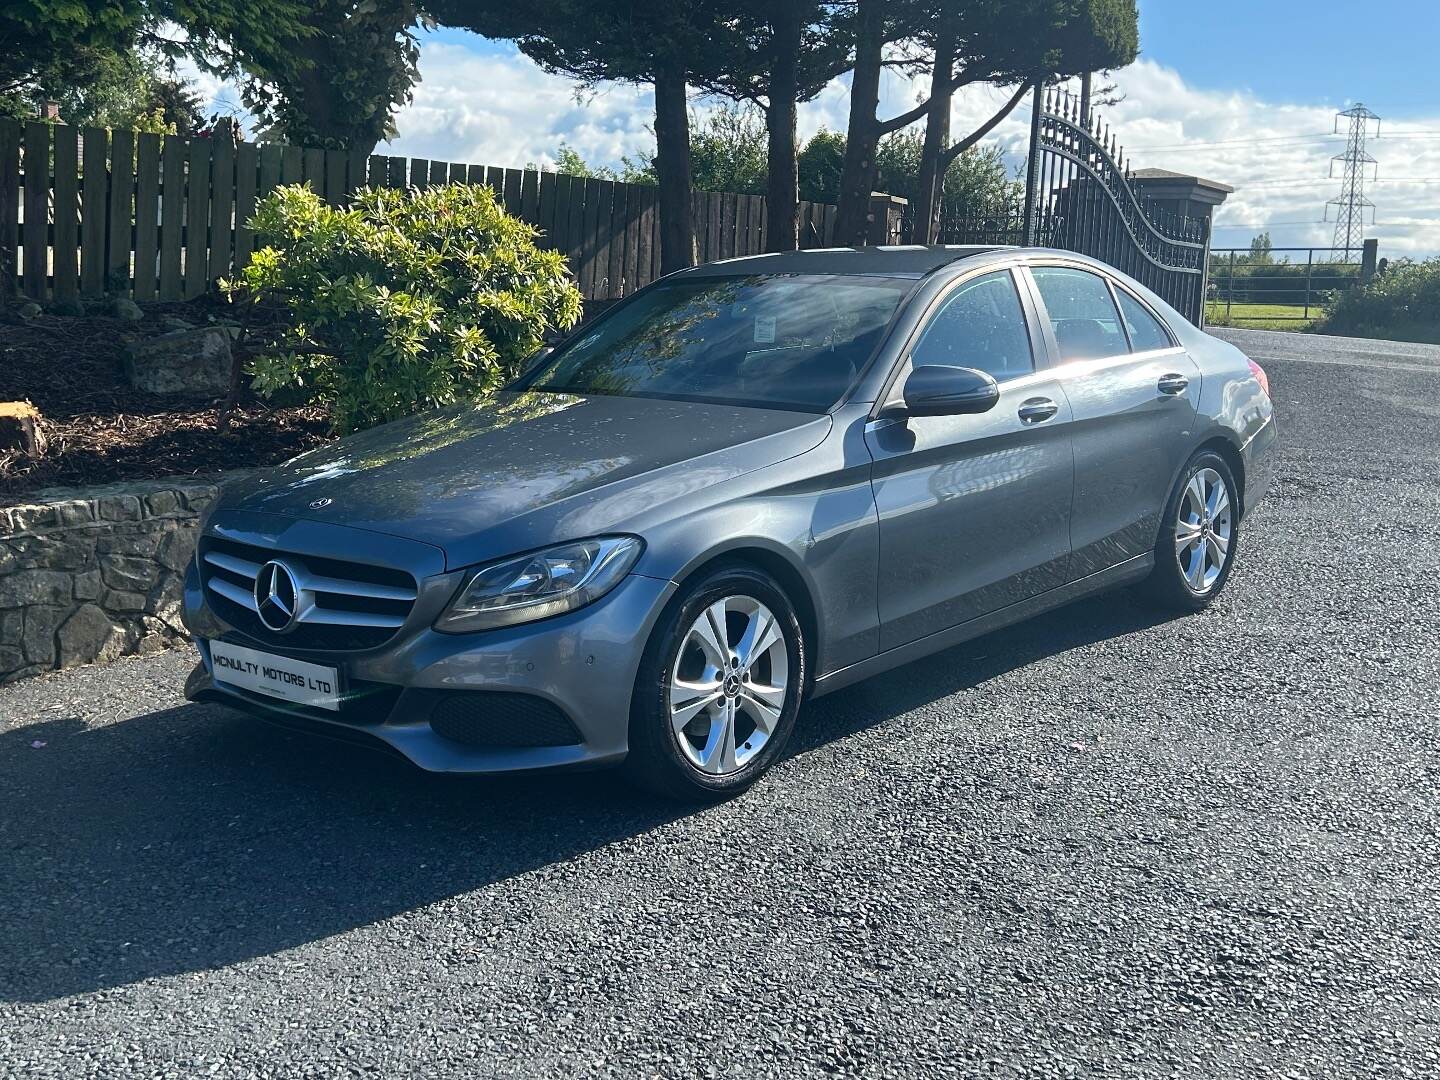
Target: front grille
[498, 718]
[340, 605]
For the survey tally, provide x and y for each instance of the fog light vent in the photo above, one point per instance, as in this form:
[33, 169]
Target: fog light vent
[491, 718]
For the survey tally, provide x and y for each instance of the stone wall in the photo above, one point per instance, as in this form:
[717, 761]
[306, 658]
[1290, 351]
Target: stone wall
[87, 575]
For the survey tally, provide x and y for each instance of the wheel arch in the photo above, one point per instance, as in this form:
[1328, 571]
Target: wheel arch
[1226, 447]
[778, 563]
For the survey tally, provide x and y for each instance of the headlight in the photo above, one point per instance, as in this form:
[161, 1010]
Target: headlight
[541, 584]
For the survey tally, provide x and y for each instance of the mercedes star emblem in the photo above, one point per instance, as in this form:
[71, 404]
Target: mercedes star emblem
[276, 595]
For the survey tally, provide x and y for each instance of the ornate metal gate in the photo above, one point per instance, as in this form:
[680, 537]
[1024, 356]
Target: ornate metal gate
[1079, 196]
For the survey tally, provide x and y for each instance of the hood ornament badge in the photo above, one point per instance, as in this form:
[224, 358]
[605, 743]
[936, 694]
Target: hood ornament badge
[320, 504]
[277, 596]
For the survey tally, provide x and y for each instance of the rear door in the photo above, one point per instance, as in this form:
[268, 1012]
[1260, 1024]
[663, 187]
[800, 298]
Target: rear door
[974, 509]
[1133, 391]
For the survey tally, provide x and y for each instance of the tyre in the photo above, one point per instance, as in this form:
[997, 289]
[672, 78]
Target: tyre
[1199, 536]
[719, 687]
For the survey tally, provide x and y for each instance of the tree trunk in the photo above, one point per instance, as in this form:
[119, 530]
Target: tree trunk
[948, 156]
[937, 136]
[20, 429]
[323, 109]
[782, 190]
[857, 177]
[316, 103]
[672, 171]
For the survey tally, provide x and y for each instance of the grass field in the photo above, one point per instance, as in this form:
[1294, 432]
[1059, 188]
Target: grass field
[1262, 316]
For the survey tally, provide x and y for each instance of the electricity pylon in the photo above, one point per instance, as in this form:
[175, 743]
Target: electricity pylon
[1351, 204]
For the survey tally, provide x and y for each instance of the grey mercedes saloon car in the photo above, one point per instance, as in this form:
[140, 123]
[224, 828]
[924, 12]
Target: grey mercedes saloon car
[751, 482]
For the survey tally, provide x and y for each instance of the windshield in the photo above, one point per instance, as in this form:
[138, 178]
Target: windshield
[779, 341]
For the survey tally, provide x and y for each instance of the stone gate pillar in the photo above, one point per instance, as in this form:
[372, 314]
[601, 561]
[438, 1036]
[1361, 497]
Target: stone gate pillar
[1190, 196]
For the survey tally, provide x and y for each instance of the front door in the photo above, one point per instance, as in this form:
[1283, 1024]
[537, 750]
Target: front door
[1134, 391]
[974, 509]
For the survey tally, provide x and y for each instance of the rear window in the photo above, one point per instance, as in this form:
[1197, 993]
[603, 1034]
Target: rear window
[1081, 313]
[1146, 333]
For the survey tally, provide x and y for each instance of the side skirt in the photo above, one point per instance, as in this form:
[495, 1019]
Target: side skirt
[1126, 573]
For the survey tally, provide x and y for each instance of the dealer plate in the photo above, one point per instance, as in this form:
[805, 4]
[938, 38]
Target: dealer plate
[274, 676]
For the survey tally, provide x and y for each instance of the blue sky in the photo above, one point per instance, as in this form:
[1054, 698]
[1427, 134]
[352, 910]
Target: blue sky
[1382, 52]
[1242, 91]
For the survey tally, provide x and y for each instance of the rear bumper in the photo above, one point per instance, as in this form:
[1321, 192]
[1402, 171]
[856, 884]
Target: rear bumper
[1260, 458]
[579, 667]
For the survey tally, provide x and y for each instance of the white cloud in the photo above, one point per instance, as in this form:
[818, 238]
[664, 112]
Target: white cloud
[501, 109]
[1285, 178]
[1164, 123]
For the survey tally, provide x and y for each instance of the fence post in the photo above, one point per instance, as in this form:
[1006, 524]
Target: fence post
[1204, 286]
[9, 206]
[1309, 275]
[1032, 167]
[887, 213]
[1230, 288]
[1369, 259]
[35, 235]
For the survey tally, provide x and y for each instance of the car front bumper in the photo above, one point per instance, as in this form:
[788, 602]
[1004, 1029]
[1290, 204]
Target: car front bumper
[582, 664]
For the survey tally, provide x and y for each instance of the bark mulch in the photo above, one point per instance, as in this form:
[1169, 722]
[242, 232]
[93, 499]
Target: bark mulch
[101, 430]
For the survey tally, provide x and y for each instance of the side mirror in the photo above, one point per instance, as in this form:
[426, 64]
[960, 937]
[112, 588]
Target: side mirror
[936, 390]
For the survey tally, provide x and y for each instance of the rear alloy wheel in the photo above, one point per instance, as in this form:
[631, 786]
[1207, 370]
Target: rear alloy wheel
[1204, 525]
[1198, 537]
[719, 688]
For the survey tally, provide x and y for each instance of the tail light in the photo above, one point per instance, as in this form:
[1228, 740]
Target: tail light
[1260, 376]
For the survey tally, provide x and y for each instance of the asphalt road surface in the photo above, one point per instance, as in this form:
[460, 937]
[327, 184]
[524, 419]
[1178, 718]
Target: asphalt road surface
[1098, 844]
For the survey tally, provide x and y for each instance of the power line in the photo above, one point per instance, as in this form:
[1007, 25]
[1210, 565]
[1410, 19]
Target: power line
[1232, 142]
[1421, 133]
[1328, 179]
[1264, 224]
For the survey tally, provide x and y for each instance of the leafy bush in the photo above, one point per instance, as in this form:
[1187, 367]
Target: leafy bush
[1402, 304]
[1279, 281]
[405, 301]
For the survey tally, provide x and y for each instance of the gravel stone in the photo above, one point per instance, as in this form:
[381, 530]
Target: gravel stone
[1104, 843]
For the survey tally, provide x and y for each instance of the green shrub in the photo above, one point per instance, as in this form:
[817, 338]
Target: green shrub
[1280, 282]
[406, 301]
[1402, 304]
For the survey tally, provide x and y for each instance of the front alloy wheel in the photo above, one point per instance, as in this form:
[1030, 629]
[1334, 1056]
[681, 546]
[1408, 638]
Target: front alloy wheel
[728, 685]
[718, 688]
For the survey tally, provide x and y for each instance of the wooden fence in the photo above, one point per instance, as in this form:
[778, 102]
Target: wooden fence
[85, 212]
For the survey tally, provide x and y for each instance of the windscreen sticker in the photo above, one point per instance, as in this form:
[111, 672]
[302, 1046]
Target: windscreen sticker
[765, 329]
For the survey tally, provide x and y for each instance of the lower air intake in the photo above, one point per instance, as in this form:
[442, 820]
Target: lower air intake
[492, 718]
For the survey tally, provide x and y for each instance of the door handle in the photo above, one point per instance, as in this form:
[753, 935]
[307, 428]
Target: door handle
[1173, 384]
[1037, 410]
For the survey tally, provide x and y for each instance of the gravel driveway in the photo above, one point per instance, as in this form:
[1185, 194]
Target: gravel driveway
[1098, 844]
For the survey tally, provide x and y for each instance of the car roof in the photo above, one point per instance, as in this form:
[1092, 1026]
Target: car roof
[907, 260]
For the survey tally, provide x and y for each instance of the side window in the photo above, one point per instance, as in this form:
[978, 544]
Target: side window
[1146, 332]
[1083, 316]
[980, 325]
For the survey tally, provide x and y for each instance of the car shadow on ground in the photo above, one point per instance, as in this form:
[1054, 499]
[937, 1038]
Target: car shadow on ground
[193, 838]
